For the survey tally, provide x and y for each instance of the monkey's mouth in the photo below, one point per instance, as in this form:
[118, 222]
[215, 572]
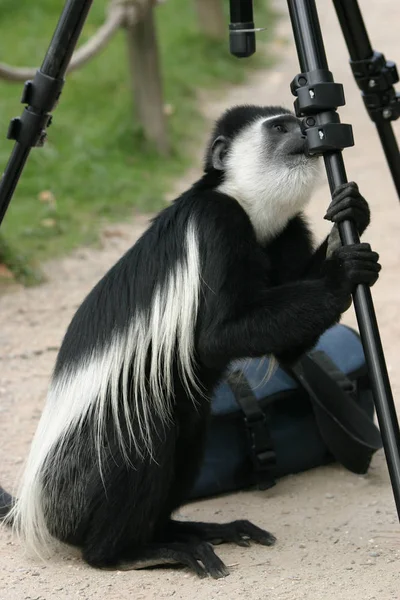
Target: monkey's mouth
[302, 150]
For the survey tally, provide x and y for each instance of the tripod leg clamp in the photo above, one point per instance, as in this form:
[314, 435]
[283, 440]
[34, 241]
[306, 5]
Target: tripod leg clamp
[375, 76]
[318, 97]
[41, 95]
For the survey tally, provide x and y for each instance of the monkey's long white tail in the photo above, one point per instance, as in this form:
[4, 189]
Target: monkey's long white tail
[165, 333]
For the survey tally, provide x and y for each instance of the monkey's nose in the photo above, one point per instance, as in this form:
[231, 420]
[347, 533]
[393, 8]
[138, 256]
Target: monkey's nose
[299, 146]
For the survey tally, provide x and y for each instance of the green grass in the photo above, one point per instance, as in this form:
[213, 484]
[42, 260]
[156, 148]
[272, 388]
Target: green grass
[96, 164]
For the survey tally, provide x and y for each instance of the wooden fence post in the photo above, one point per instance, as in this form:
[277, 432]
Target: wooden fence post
[146, 77]
[212, 18]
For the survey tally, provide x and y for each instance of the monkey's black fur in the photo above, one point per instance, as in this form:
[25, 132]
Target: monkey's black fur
[256, 298]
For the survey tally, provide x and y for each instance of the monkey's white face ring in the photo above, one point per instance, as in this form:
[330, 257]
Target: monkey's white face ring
[267, 174]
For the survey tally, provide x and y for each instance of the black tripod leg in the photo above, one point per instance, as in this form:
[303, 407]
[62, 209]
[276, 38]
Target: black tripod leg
[41, 95]
[375, 77]
[317, 100]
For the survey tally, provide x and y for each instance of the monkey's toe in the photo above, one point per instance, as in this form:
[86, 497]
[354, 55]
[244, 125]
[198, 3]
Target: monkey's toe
[213, 565]
[158, 555]
[246, 530]
[240, 532]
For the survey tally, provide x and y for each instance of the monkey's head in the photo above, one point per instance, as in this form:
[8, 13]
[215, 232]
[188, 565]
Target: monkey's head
[261, 156]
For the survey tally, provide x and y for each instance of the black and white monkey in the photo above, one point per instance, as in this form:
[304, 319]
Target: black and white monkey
[227, 271]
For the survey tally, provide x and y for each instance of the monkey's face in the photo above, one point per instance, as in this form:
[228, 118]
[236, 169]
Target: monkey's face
[263, 159]
[285, 142]
[275, 141]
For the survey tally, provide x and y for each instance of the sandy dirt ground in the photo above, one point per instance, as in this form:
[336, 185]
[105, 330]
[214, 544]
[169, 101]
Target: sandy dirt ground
[338, 534]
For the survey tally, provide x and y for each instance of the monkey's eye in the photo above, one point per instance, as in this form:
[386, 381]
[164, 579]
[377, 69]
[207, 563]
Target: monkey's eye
[280, 128]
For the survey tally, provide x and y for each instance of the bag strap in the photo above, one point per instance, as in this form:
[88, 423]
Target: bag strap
[257, 428]
[349, 433]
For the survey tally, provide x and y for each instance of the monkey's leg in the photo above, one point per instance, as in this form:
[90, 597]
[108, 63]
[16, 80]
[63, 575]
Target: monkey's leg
[189, 553]
[239, 532]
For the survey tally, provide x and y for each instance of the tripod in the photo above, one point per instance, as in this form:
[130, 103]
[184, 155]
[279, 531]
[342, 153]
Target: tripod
[317, 100]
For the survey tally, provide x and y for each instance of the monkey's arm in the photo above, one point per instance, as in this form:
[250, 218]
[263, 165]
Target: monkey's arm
[285, 320]
[287, 316]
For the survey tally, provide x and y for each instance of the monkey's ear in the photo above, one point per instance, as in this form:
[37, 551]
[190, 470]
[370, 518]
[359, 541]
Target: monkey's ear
[218, 152]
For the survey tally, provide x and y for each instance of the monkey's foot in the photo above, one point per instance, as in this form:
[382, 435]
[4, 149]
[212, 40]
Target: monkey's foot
[198, 556]
[237, 532]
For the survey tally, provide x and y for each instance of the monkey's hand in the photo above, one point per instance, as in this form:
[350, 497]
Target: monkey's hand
[350, 266]
[347, 203]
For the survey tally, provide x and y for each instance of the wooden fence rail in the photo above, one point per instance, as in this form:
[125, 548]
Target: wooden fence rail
[137, 18]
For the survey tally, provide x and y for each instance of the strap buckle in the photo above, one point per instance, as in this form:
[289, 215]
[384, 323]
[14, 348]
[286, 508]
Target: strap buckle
[261, 452]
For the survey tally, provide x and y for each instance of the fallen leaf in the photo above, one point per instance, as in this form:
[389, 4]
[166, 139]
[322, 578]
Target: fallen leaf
[47, 197]
[5, 272]
[49, 223]
[109, 233]
[168, 110]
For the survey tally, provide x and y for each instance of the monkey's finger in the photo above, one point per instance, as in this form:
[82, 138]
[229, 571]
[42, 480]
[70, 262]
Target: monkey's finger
[358, 204]
[365, 256]
[351, 194]
[355, 254]
[346, 188]
[352, 214]
[348, 200]
[363, 249]
[365, 278]
[360, 273]
[363, 265]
